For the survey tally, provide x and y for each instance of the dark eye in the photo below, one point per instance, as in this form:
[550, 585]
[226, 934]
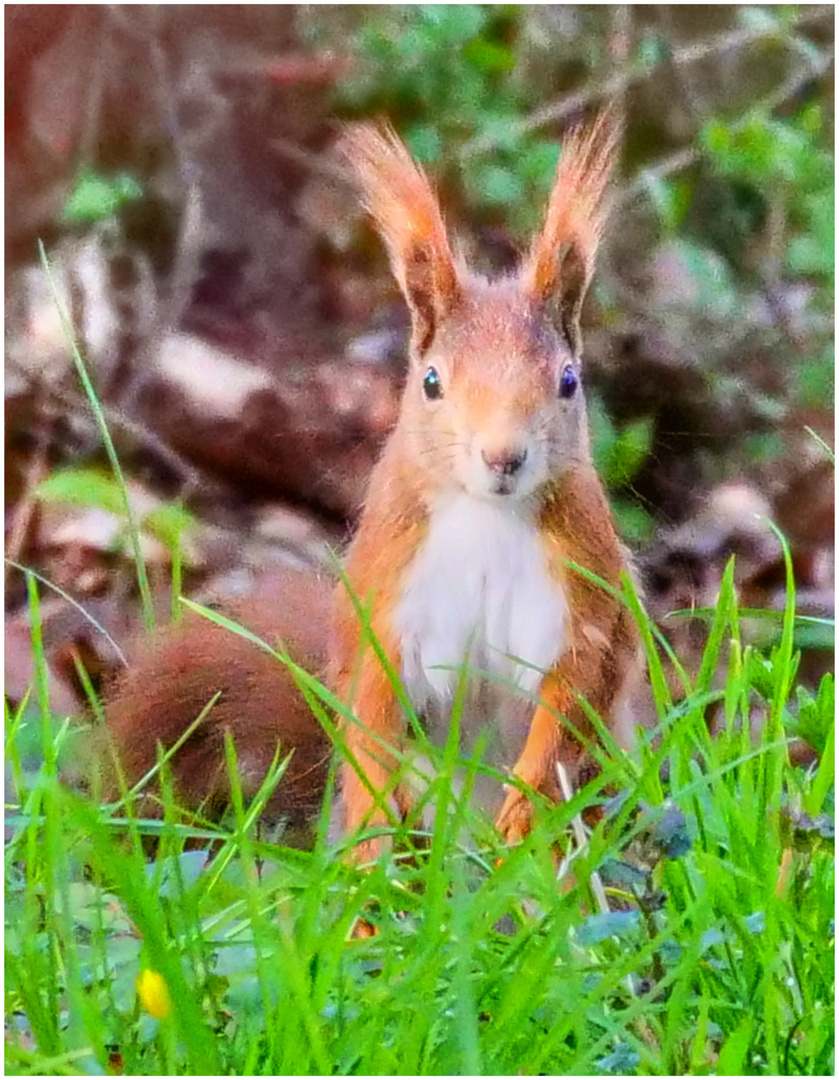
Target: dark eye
[431, 385]
[567, 383]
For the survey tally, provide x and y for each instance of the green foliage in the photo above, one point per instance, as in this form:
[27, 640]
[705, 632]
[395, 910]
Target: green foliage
[785, 163]
[94, 488]
[446, 75]
[670, 198]
[772, 154]
[714, 954]
[95, 197]
[618, 456]
[814, 718]
[768, 209]
[754, 220]
[88, 487]
[169, 524]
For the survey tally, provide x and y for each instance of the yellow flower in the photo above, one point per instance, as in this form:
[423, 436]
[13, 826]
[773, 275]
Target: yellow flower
[154, 994]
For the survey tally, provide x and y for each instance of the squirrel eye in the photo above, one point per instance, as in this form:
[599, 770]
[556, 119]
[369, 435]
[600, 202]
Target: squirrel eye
[567, 383]
[431, 385]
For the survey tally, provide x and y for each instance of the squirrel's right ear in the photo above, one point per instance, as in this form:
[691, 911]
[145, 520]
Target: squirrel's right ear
[398, 195]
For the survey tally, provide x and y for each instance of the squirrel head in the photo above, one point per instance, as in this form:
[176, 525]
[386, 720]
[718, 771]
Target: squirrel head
[493, 405]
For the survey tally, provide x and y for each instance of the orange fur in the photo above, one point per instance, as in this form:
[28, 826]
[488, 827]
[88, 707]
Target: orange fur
[500, 349]
[562, 255]
[576, 519]
[492, 345]
[576, 211]
[177, 671]
[400, 199]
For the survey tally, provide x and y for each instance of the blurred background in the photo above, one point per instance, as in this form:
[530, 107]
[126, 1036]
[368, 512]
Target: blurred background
[247, 343]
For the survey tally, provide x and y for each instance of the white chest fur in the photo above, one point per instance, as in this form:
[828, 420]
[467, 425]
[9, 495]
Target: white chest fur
[479, 591]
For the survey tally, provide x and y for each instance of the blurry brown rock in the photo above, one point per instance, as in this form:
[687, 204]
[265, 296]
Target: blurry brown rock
[312, 436]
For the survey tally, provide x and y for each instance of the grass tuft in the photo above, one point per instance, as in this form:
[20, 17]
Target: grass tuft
[713, 953]
[694, 933]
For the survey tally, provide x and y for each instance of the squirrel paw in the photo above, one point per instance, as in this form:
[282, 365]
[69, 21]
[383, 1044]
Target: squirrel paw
[367, 852]
[363, 929]
[514, 819]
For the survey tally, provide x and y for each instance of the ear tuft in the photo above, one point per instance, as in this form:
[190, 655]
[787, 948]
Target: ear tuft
[560, 263]
[399, 197]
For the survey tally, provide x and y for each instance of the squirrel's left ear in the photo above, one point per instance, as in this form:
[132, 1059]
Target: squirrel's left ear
[559, 266]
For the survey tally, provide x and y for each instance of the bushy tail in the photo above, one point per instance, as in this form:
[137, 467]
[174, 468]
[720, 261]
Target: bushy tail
[177, 672]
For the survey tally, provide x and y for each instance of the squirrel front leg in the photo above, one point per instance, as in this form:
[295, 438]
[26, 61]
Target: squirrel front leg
[376, 726]
[589, 670]
[547, 743]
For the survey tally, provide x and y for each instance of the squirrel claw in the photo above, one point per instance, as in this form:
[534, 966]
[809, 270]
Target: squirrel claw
[513, 822]
[363, 930]
[366, 853]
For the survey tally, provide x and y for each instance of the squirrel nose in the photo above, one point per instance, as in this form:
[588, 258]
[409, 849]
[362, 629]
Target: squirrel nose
[504, 464]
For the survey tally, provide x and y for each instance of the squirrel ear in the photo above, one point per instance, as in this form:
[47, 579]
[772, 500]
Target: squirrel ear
[559, 266]
[398, 195]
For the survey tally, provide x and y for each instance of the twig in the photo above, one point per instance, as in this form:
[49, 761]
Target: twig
[684, 77]
[620, 81]
[664, 167]
[110, 450]
[316, 163]
[74, 603]
[22, 515]
[812, 68]
[185, 265]
[186, 260]
[191, 477]
[682, 159]
[620, 46]
[581, 840]
[89, 137]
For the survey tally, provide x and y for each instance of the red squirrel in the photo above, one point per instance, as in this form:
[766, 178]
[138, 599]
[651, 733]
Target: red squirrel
[484, 493]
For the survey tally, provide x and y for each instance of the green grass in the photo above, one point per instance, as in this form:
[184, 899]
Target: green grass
[694, 934]
[713, 956]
